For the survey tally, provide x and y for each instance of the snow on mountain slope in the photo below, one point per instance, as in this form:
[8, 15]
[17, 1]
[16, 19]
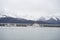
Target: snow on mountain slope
[49, 17]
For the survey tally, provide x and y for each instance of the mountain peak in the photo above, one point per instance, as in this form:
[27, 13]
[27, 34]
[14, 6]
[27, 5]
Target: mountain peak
[54, 20]
[3, 16]
[48, 18]
[42, 19]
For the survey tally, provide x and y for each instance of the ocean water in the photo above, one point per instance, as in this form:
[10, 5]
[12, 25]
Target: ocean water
[29, 33]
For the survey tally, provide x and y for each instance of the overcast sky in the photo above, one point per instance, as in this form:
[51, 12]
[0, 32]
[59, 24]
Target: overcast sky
[30, 9]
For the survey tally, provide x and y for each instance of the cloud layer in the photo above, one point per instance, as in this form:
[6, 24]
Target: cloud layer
[30, 9]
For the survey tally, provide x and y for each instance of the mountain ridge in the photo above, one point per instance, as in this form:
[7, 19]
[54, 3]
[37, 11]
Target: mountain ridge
[51, 20]
[42, 20]
[15, 20]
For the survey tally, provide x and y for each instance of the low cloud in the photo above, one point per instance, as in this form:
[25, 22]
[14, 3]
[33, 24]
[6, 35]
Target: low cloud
[30, 9]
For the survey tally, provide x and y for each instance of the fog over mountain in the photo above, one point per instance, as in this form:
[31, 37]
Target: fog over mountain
[30, 9]
[8, 19]
[49, 17]
[42, 20]
[49, 20]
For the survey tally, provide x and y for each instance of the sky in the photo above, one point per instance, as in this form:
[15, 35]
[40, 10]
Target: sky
[30, 9]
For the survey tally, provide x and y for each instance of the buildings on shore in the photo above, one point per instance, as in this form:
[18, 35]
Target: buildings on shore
[26, 25]
[14, 24]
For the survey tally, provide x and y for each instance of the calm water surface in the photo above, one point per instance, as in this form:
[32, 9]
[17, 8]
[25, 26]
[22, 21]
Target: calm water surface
[29, 33]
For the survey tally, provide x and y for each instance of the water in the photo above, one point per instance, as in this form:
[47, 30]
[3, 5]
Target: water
[29, 33]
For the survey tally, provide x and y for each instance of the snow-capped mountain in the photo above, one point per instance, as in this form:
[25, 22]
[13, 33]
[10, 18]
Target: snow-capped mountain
[42, 20]
[2, 16]
[8, 19]
[54, 20]
[48, 18]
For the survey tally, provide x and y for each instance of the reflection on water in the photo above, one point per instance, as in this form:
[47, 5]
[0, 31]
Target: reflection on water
[29, 33]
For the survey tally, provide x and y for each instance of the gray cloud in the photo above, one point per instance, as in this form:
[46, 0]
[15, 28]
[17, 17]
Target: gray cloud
[31, 9]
